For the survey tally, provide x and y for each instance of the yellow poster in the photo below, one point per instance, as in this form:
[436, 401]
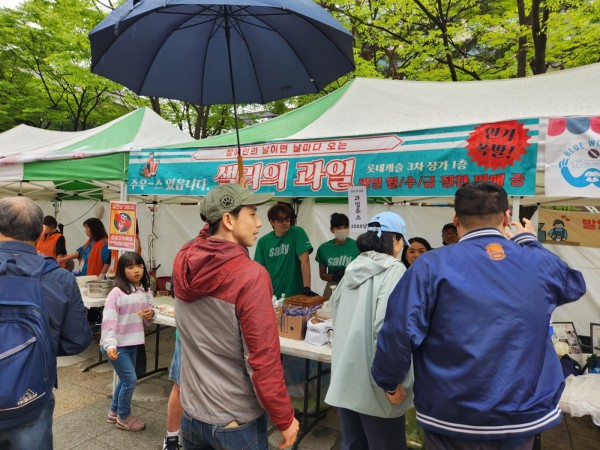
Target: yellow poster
[569, 228]
[121, 235]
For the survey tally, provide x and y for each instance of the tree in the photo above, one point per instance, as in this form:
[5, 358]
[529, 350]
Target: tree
[45, 51]
[470, 39]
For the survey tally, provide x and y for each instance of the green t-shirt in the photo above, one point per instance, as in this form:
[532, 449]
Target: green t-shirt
[336, 257]
[279, 255]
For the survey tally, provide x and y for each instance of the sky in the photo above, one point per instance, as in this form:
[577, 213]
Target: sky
[10, 3]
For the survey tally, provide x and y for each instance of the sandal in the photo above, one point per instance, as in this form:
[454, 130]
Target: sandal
[112, 417]
[130, 423]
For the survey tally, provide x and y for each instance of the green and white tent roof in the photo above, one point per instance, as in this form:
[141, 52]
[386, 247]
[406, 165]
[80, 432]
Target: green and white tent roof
[371, 107]
[46, 163]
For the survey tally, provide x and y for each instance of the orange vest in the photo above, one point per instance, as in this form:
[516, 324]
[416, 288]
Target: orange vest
[94, 261]
[47, 245]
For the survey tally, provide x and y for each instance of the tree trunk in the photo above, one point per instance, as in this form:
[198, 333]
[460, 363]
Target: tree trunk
[155, 102]
[522, 41]
[539, 27]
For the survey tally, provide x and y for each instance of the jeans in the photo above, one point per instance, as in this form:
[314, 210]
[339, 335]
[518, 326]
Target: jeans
[175, 367]
[36, 434]
[124, 366]
[199, 435]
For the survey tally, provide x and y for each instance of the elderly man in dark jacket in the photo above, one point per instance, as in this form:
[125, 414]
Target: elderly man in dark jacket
[68, 332]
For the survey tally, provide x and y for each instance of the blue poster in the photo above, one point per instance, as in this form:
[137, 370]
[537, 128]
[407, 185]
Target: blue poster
[423, 163]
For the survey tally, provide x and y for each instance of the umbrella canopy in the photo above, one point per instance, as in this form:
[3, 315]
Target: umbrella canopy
[221, 52]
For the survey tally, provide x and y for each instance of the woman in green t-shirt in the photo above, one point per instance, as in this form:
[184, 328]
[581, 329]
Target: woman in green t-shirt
[333, 256]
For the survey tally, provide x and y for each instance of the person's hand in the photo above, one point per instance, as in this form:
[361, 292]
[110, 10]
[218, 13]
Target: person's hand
[526, 227]
[112, 353]
[62, 259]
[307, 291]
[289, 435]
[146, 314]
[398, 396]
[338, 275]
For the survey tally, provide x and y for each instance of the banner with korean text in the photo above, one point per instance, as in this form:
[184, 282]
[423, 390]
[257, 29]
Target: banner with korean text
[579, 229]
[121, 235]
[421, 163]
[573, 157]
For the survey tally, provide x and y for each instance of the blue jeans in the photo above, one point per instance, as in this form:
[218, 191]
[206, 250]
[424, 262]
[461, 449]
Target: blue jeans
[175, 367]
[34, 434]
[199, 435]
[124, 366]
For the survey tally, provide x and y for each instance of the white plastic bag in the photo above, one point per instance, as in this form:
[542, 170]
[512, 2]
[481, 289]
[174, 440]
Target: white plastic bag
[317, 331]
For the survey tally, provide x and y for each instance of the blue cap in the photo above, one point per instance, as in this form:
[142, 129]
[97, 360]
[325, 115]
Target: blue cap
[390, 222]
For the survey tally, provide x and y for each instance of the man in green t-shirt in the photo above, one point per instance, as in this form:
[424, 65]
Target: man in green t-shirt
[333, 256]
[284, 253]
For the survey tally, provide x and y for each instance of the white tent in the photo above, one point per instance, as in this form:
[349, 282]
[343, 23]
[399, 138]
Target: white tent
[44, 163]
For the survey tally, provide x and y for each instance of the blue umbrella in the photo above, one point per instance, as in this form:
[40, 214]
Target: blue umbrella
[221, 52]
[195, 51]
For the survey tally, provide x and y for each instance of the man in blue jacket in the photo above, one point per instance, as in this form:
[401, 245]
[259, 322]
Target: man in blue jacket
[474, 318]
[68, 330]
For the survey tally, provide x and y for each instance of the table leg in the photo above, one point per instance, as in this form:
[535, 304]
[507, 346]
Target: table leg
[100, 361]
[537, 441]
[305, 426]
[156, 369]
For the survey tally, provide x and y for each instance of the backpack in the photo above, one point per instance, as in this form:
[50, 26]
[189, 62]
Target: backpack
[27, 361]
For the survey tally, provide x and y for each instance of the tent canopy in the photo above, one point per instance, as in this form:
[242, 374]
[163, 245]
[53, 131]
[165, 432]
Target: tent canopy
[371, 107]
[91, 164]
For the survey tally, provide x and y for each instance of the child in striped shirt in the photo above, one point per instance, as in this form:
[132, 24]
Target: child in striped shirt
[128, 307]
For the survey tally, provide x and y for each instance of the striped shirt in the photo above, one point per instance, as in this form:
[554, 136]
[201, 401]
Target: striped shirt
[121, 324]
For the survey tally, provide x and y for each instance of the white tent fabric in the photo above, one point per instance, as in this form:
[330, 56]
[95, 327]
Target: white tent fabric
[176, 224]
[23, 143]
[373, 106]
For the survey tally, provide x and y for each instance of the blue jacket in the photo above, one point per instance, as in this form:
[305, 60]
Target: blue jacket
[69, 330]
[475, 317]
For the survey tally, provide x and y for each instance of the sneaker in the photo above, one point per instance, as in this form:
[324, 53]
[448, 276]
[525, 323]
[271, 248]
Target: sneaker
[130, 423]
[112, 417]
[171, 443]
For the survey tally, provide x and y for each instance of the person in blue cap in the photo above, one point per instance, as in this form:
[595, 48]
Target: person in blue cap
[370, 417]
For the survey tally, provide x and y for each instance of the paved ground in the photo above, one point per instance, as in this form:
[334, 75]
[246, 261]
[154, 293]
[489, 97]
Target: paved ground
[82, 402]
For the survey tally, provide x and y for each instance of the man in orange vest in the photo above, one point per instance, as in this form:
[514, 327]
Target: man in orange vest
[52, 242]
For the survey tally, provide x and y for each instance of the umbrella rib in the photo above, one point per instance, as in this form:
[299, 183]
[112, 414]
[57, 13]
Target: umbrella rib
[239, 31]
[327, 38]
[163, 43]
[212, 33]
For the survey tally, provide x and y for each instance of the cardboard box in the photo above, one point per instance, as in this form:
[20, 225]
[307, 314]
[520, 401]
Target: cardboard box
[292, 327]
[304, 300]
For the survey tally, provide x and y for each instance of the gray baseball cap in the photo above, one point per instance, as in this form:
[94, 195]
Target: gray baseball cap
[227, 197]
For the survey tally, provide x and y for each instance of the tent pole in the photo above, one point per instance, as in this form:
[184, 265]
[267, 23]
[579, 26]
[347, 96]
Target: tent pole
[123, 196]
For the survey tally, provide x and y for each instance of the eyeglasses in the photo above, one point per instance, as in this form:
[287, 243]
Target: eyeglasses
[450, 233]
[283, 219]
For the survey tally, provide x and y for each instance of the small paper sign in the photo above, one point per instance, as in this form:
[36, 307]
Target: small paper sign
[121, 235]
[357, 205]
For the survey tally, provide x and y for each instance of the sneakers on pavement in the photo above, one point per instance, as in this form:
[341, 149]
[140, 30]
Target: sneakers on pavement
[171, 443]
[112, 417]
[130, 423]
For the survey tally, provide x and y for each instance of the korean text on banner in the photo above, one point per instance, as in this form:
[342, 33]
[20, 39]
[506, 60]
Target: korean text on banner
[121, 235]
[411, 164]
[357, 208]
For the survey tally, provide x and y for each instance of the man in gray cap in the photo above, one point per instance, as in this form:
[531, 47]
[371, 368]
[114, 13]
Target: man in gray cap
[231, 371]
[42, 317]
